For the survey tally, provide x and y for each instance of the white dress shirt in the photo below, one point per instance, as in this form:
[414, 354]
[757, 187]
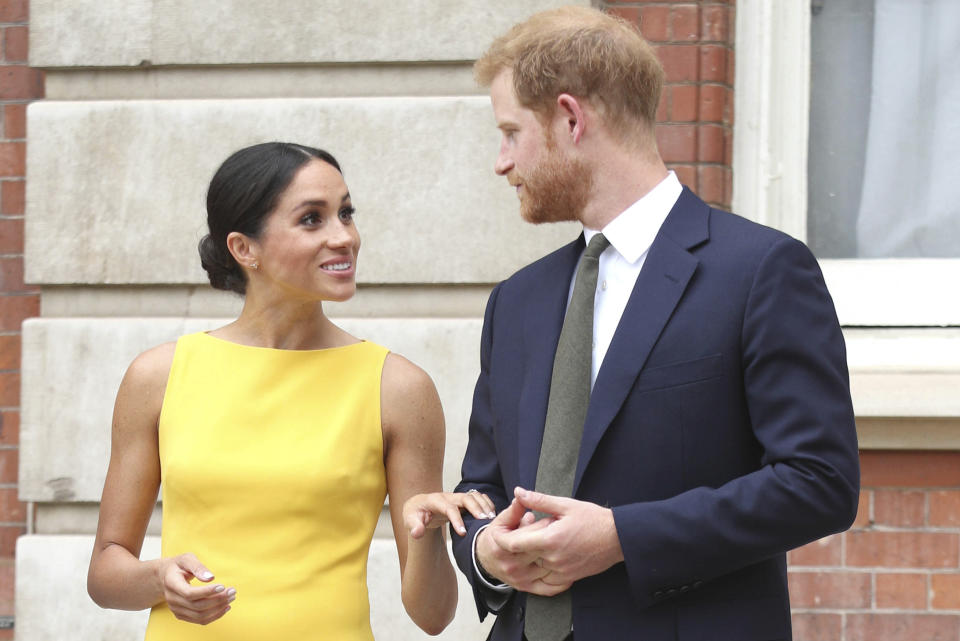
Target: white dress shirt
[630, 234]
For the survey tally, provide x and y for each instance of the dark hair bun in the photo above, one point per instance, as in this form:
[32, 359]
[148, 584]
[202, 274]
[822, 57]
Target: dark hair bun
[222, 270]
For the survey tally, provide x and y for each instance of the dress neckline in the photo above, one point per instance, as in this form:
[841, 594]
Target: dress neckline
[279, 350]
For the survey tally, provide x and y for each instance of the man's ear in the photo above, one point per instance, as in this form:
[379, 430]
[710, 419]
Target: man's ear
[243, 249]
[572, 112]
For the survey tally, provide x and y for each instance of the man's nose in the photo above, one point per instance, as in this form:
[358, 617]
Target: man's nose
[503, 164]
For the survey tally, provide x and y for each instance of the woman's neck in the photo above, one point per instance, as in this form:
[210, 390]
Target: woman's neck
[284, 324]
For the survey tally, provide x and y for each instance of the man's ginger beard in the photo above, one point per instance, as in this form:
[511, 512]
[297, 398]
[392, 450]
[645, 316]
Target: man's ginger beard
[557, 189]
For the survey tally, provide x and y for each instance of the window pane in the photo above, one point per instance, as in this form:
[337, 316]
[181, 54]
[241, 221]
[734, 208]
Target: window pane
[884, 173]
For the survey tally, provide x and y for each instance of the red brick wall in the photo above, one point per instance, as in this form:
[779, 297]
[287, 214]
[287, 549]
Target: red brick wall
[695, 43]
[896, 574]
[18, 85]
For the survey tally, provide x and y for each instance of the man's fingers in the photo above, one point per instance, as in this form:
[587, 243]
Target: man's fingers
[537, 501]
[541, 588]
[527, 541]
[511, 517]
[530, 523]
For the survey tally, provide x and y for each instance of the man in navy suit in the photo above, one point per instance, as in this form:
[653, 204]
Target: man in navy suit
[719, 432]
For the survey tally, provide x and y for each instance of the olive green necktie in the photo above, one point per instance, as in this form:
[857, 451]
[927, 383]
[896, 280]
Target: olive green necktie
[549, 618]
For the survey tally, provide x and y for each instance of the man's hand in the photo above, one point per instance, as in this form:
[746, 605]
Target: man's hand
[518, 570]
[577, 540]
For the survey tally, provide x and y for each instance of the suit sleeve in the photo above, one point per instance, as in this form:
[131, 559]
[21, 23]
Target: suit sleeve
[481, 469]
[797, 393]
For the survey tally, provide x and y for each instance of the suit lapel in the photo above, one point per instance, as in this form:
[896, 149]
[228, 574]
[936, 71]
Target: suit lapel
[660, 286]
[542, 322]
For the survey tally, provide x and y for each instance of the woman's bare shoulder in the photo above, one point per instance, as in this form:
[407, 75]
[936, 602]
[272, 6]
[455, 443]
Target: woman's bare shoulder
[149, 371]
[403, 377]
[409, 399]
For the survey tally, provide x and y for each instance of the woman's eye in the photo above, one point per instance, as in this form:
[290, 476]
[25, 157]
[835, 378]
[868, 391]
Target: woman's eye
[347, 213]
[310, 219]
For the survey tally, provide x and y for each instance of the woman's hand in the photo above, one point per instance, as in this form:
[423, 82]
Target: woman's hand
[426, 511]
[199, 604]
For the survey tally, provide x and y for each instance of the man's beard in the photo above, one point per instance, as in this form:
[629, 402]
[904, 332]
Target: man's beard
[556, 190]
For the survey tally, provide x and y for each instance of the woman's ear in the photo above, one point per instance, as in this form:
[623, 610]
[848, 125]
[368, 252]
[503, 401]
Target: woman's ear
[243, 249]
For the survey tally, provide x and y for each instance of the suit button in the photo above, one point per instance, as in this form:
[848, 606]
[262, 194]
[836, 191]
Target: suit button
[658, 594]
[697, 584]
[672, 592]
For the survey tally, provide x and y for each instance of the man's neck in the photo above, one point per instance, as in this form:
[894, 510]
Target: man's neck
[620, 179]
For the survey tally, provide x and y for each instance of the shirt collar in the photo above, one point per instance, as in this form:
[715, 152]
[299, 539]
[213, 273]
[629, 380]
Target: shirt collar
[632, 232]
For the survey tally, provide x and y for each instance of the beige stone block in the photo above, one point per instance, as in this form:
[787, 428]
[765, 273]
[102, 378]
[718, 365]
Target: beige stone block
[51, 596]
[89, 32]
[73, 367]
[118, 33]
[77, 518]
[266, 81]
[430, 209]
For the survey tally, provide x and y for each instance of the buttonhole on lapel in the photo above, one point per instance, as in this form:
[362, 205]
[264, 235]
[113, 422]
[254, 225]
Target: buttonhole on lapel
[672, 278]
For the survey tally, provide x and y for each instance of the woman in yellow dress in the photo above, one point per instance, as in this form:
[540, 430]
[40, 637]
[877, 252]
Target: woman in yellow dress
[275, 438]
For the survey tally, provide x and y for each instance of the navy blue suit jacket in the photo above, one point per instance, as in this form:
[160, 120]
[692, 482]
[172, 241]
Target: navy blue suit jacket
[720, 428]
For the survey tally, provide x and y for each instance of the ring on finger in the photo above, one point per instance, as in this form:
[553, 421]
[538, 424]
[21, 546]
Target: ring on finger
[473, 490]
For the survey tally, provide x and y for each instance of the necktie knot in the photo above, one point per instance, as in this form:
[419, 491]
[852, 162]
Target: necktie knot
[597, 244]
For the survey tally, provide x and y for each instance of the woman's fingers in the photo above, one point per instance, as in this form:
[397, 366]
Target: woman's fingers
[432, 510]
[191, 564]
[199, 604]
[200, 617]
[479, 504]
[202, 610]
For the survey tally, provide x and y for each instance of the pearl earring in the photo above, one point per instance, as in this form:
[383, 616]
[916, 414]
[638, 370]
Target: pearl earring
[255, 266]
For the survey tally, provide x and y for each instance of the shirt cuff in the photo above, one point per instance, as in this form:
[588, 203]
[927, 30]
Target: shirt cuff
[496, 595]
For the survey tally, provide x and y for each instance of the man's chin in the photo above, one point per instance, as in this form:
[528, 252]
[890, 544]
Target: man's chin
[539, 217]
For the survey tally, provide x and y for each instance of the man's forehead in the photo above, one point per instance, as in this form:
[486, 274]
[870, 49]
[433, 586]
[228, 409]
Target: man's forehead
[502, 94]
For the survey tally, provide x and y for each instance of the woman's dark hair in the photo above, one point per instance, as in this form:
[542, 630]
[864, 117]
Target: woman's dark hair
[243, 191]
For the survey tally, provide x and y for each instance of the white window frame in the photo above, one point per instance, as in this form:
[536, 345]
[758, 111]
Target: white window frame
[772, 93]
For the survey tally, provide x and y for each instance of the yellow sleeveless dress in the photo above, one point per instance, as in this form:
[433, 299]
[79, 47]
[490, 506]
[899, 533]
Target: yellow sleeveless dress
[273, 476]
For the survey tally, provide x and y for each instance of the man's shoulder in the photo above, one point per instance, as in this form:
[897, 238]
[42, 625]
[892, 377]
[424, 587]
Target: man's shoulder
[739, 234]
